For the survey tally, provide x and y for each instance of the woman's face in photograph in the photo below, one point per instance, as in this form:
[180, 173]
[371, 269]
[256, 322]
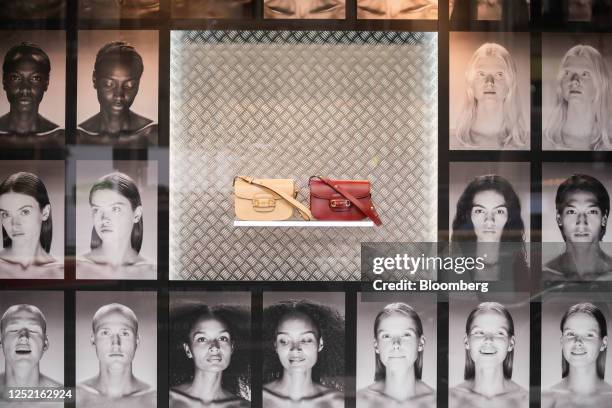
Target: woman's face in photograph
[488, 341]
[397, 9]
[210, 345]
[581, 340]
[25, 84]
[304, 9]
[489, 215]
[22, 217]
[113, 216]
[580, 10]
[397, 342]
[491, 82]
[581, 219]
[297, 342]
[117, 86]
[577, 83]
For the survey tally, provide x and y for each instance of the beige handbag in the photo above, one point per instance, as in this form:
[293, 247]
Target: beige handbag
[267, 199]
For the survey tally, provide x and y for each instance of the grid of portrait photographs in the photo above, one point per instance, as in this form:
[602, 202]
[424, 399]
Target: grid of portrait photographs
[482, 125]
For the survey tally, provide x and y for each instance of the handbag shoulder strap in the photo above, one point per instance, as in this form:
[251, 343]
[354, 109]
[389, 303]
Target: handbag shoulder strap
[369, 211]
[302, 209]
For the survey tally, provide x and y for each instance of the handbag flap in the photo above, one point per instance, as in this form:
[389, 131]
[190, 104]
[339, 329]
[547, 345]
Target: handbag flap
[358, 188]
[248, 191]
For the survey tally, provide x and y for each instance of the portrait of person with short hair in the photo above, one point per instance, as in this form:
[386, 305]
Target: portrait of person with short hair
[489, 344]
[579, 118]
[305, 9]
[25, 79]
[24, 341]
[116, 78]
[115, 339]
[487, 108]
[583, 340]
[582, 208]
[397, 9]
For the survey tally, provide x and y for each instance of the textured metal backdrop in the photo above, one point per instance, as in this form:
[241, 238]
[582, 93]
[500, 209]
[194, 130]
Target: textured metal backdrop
[280, 104]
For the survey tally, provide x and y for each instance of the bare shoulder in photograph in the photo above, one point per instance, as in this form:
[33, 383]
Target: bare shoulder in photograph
[584, 347]
[489, 354]
[580, 117]
[24, 341]
[305, 9]
[115, 340]
[32, 9]
[582, 209]
[488, 224]
[27, 229]
[397, 9]
[117, 232]
[509, 12]
[114, 9]
[491, 117]
[399, 345]
[116, 79]
[303, 355]
[210, 357]
[234, 9]
[25, 79]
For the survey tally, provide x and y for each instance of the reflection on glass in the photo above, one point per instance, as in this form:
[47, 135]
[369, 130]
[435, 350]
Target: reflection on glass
[304, 9]
[399, 344]
[397, 9]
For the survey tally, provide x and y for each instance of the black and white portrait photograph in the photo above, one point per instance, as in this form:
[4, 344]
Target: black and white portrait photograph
[575, 211]
[509, 13]
[210, 346]
[305, 9]
[595, 12]
[576, 91]
[116, 225]
[397, 9]
[214, 9]
[303, 349]
[32, 9]
[116, 349]
[489, 215]
[489, 351]
[575, 370]
[34, 83]
[489, 91]
[118, 88]
[32, 342]
[32, 217]
[396, 350]
[118, 9]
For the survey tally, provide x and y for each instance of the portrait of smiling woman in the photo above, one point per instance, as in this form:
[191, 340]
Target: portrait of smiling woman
[27, 229]
[117, 223]
[489, 344]
[209, 364]
[487, 109]
[577, 103]
[399, 345]
[583, 341]
[303, 355]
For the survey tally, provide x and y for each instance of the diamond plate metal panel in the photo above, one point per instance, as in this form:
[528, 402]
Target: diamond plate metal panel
[280, 104]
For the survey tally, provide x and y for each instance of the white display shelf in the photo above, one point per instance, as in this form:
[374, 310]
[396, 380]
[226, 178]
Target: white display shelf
[315, 224]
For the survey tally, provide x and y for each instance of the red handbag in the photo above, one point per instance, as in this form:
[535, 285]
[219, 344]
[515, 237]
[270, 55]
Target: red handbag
[341, 200]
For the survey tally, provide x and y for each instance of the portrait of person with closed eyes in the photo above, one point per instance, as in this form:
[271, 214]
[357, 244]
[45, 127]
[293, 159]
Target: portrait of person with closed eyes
[116, 79]
[489, 344]
[584, 347]
[305, 9]
[397, 9]
[25, 79]
[303, 355]
[210, 365]
[117, 232]
[582, 210]
[580, 118]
